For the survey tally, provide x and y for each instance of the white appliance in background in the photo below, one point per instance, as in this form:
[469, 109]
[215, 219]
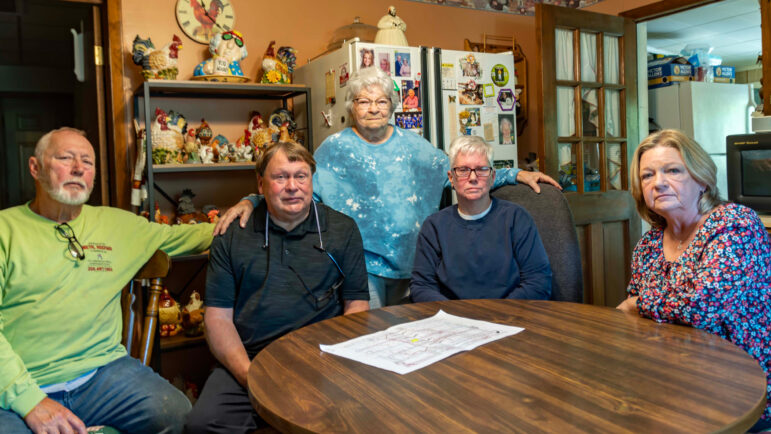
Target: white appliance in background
[474, 94]
[327, 77]
[706, 112]
[442, 81]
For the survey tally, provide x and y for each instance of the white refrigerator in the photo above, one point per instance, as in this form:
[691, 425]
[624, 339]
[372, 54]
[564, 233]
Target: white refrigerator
[443, 93]
[706, 112]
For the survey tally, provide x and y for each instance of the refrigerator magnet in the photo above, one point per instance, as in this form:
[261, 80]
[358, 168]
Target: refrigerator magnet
[402, 62]
[469, 67]
[500, 75]
[506, 129]
[367, 56]
[384, 62]
[506, 100]
[344, 74]
[504, 164]
[470, 94]
[410, 95]
[488, 131]
[489, 90]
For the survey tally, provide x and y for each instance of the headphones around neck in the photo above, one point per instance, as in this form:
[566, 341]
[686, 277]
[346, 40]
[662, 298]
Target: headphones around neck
[320, 247]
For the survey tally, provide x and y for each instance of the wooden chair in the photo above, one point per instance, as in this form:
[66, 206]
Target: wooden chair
[139, 325]
[554, 221]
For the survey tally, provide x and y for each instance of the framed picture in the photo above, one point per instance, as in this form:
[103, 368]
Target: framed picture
[506, 129]
[506, 100]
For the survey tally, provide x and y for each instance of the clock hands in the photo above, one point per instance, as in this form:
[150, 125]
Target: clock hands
[206, 12]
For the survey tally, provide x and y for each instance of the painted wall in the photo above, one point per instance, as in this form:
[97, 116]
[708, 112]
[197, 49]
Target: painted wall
[308, 25]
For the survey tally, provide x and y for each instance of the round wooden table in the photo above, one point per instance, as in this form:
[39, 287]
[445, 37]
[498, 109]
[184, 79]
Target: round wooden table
[575, 368]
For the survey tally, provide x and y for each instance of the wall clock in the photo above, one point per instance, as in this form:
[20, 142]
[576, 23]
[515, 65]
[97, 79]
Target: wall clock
[201, 19]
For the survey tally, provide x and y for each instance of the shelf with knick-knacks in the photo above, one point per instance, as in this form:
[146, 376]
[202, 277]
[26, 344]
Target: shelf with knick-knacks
[215, 142]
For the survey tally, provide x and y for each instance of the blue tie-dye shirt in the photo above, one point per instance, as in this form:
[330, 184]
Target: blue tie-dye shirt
[388, 189]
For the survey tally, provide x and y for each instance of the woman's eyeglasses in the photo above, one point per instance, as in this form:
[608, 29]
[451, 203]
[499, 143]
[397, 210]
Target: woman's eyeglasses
[73, 245]
[321, 302]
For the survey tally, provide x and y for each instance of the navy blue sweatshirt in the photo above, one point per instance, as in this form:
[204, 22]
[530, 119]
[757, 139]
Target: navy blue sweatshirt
[498, 256]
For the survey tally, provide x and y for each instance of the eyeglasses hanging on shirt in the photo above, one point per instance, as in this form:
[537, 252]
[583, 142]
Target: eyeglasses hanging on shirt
[73, 245]
[318, 302]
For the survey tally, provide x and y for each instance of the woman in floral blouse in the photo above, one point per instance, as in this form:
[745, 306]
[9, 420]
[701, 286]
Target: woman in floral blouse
[704, 262]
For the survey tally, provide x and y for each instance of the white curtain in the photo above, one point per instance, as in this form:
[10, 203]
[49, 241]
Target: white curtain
[566, 106]
[589, 73]
[612, 97]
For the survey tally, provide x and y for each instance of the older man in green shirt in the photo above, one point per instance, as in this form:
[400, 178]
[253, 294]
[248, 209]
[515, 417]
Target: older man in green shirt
[62, 267]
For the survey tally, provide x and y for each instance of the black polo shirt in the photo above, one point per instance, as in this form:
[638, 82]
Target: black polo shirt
[264, 286]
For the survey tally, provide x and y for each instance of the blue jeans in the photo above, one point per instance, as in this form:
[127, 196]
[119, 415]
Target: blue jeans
[125, 395]
[387, 292]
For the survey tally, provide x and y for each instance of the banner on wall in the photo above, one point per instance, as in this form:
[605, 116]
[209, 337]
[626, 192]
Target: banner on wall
[519, 7]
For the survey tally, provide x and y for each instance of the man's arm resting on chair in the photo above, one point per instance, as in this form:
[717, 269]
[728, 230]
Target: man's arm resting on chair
[224, 342]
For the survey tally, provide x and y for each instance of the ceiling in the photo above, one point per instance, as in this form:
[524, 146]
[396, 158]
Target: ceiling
[731, 27]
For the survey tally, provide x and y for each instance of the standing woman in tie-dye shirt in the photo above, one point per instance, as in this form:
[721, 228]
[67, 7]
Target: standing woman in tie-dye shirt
[384, 177]
[705, 262]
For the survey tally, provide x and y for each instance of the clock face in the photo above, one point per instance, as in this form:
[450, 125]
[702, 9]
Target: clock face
[201, 19]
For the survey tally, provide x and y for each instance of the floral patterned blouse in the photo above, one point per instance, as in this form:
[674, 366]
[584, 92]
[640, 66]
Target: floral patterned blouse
[721, 283]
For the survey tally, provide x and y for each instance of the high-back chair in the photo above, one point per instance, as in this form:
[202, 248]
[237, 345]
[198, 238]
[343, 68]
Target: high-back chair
[139, 326]
[555, 225]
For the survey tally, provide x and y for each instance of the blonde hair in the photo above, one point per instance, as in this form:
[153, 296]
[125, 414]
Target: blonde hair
[698, 163]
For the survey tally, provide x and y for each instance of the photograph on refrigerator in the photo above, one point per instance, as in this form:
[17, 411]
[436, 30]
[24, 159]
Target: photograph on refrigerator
[506, 129]
[500, 75]
[506, 100]
[410, 95]
[469, 67]
[469, 93]
[384, 61]
[402, 64]
[410, 121]
[367, 56]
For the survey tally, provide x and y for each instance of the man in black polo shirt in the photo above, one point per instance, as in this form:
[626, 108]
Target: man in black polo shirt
[296, 262]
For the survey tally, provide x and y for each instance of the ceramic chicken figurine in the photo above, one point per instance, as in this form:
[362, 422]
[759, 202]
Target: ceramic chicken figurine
[167, 135]
[258, 133]
[186, 212]
[192, 315]
[391, 29]
[192, 153]
[277, 67]
[157, 64]
[227, 51]
[168, 314]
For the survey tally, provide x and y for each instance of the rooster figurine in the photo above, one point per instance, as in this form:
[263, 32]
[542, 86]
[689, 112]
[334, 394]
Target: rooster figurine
[167, 136]
[158, 64]
[169, 314]
[277, 67]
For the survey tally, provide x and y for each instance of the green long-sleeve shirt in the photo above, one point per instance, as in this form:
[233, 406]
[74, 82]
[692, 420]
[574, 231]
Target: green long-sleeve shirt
[60, 317]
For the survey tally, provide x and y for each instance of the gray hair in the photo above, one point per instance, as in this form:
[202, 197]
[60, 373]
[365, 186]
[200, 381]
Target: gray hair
[470, 145]
[44, 142]
[506, 121]
[369, 77]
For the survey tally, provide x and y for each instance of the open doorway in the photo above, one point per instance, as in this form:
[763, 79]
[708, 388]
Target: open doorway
[50, 76]
[713, 102]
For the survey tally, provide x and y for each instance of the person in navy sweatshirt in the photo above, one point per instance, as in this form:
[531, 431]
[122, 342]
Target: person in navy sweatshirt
[482, 247]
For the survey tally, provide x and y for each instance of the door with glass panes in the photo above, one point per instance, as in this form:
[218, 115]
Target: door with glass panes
[588, 88]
